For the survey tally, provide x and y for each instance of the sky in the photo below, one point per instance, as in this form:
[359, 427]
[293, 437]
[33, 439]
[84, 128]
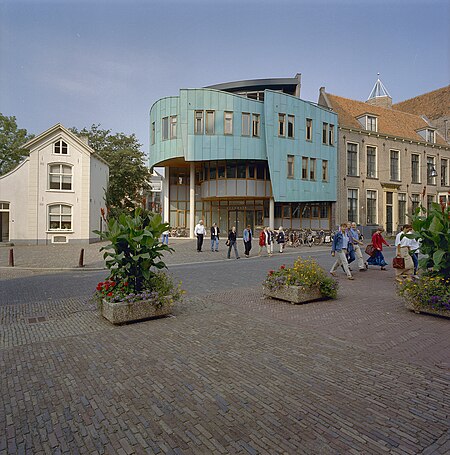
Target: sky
[84, 62]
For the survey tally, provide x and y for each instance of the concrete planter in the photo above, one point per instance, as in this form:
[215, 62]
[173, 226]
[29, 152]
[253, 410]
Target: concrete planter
[294, 294]
[420, 309]
[121, 313]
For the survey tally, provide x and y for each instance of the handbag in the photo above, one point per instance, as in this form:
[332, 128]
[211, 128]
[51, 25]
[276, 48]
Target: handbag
[398, 263]
[370, 249]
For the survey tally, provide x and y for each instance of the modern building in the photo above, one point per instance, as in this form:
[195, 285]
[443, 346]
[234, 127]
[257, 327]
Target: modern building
[435, 106]
[56, 194]
[245, 153]
[390, 161]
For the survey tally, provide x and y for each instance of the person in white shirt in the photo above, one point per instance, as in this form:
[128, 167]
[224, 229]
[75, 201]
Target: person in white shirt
[403, 246]
[200, 232]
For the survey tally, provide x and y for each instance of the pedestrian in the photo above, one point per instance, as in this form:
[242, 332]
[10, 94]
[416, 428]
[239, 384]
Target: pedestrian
[378, 241]
[281, 238]
[415, 247]
[165, 237]
[232, 243]
[248, 235]
[356, 241]
[271, 240]
[262, 240]
[200, 232]
[403, 250]
[215, 231]
[339, 249]
[268, 240]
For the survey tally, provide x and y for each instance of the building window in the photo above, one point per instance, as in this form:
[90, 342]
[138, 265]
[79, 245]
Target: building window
[290, 166]
[228, 123]
[430, 200]
[60, 177]
[59, 217]
[331, 135]
[371, 162]
[444, 172]
[209, 122]
[198, 125]
[241, 170]
[173, 127]
[395, 165]
[371, 205]
[165, 128]
[60, 148]
[153, 132]
[309, 129]
[371, 123]
[402, 208]
[325, 170]
[415, 168]
[255, 125]
[415, 202]
[352, 159]
[430, 169]
[290, 126]
[245, 124]
[312, 169]
[324, 133]
[352, 205]
[430, 136]
[281, 125]
[304, 168]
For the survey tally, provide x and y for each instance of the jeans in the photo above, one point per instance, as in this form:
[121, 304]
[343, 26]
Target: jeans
[415, 258]
[232, 245]
[215, 242]
[165, 239]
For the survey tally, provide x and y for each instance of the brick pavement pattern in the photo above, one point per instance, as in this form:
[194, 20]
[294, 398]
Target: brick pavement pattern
[230, 373]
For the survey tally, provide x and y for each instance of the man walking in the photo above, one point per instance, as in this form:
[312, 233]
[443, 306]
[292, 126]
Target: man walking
[215, 231]
[247, 240]
[355, 240]
[339, 249]
[200, 232]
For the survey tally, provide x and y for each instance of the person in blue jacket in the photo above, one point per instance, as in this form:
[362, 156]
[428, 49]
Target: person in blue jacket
[339, 250]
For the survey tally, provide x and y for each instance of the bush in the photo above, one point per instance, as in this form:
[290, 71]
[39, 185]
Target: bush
[305, 273]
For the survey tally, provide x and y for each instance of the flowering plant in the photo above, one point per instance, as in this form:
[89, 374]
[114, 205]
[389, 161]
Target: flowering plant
[429, 291]
[305, 273]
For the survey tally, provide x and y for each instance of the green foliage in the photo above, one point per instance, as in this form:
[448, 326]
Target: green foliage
[12, 140]
[134, 251]
[128, 173]
[306, 273]
[432, 229]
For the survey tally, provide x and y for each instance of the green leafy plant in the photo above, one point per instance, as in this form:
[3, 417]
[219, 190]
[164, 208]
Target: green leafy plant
[305, 273]
[134, 253]
[432, 228]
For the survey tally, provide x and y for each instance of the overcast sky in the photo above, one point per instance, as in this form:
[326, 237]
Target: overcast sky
[80, 62]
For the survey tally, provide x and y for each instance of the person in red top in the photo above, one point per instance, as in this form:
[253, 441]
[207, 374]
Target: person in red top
[377, 242]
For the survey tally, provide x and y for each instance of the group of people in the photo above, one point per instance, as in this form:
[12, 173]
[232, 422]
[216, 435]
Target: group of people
[267, 239]
[346, 247]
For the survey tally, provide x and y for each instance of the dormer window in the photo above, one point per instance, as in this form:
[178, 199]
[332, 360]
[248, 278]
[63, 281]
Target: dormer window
[60, 148]
[369, 122]
[428, 135]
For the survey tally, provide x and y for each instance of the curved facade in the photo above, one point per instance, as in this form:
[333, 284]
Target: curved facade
[237, 160]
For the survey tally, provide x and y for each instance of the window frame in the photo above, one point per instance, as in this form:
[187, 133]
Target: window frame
[376, 206]
[444, 172]
[290, 131]
[290, 166]
[165, 128]
[357, 159]
[305, 169]
[324, 133]
[356, 217]
[309, 129]
[61, 174]
[281, 125]
[370, 120]
[402, 202]
[246, 132]
[331, 134]
[199, 121]
[431, 180]
[60, 214]
[375, 172]
[173, 127]
[62, 145]
[312, 169]
[210, 120]
[325, 177]
[413, 180]
[256, 127]
[228, 121]
[392, 177]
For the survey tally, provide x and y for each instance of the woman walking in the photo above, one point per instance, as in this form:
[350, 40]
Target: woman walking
[377, 241]
[247, 235]
[403, 250]
[232, 243]
[339, 249]
[281, 238]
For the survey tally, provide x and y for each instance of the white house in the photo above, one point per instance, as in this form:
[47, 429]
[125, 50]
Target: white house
[56, 194]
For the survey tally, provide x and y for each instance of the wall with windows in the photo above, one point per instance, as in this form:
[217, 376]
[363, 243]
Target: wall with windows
[59, 191]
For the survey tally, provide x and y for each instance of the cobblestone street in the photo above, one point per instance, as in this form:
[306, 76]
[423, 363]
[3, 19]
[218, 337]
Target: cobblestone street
[229, 373]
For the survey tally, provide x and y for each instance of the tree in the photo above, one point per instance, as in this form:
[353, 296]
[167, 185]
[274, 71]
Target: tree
[128, 174]
[12, 140]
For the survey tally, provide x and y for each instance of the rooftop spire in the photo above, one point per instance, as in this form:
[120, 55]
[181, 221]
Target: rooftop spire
[378, 90]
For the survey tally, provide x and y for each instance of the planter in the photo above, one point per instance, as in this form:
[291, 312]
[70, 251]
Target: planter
[120, 313]
[294, 294]
[420, 309]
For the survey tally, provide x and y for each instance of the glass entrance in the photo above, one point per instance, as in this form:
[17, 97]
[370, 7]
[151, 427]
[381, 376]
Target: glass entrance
[236, 218]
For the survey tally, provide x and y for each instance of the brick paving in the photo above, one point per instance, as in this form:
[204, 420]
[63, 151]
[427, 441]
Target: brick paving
[230, 373]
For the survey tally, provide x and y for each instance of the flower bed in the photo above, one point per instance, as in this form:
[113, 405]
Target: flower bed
[305, 281]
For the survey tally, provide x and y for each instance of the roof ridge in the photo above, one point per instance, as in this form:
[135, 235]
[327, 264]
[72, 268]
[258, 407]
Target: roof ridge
[423, 94]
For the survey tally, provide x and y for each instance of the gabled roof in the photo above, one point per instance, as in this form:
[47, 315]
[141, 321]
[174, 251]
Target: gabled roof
[58, 127]
[433, 104]
[391, 122]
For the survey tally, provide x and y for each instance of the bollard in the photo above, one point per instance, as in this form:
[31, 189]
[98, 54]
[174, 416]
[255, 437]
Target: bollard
[11, 257]
[80, 262]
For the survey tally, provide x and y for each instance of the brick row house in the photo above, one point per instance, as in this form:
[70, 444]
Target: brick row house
[389, 163]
